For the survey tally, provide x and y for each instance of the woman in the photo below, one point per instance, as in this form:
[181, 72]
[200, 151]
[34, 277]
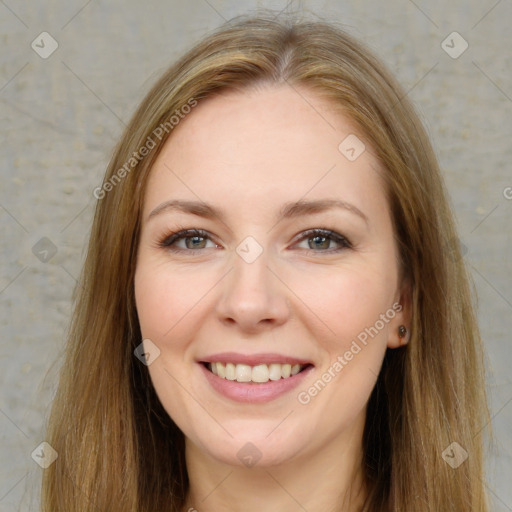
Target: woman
[273, 312]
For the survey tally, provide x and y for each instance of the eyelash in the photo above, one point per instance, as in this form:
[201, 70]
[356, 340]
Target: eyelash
[170, 239]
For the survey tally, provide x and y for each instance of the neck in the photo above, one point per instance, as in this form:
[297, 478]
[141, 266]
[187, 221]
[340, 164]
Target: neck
[330, 479]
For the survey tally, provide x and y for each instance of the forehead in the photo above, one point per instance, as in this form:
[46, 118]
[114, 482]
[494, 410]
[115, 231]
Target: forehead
[264, 147]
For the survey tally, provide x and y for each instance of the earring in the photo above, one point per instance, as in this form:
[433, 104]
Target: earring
[402, 331]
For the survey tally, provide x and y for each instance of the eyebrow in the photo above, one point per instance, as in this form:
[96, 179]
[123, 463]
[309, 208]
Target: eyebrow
[289, 210]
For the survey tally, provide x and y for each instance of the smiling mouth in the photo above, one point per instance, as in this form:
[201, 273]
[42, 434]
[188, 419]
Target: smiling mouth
[258, 374]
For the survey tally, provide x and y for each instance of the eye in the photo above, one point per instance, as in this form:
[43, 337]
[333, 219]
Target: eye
[193, 239]
[196, 239]
[322, 239]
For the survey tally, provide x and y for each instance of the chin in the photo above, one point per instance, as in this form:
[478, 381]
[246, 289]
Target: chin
[255, 448]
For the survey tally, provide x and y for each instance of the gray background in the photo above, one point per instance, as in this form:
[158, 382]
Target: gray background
[62, 115]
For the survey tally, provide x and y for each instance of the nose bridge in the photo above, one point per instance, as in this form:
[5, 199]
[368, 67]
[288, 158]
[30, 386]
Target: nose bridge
[252, 294]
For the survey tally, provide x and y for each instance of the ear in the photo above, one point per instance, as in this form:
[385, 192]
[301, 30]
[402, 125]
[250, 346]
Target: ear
[403, 317]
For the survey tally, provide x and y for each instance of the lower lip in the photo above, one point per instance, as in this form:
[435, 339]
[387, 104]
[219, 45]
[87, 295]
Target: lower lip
[254, 392]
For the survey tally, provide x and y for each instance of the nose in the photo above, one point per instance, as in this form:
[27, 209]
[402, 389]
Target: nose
[253, 296]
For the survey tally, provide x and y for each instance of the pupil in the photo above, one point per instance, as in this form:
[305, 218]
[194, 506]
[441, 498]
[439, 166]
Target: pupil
[195, 239]
[319, 238]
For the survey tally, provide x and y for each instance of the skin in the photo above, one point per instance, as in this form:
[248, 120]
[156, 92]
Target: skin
[249, 154]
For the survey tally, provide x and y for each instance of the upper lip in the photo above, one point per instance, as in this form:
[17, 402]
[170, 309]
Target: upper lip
[253, 359]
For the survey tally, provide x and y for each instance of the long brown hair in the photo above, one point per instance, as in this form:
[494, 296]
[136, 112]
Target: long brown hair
[118, 448]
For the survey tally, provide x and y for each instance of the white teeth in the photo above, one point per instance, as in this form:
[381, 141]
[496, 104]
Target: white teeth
[274, 371]
[295, 369]
[243, 373]
[260, 373]
[230, 371]
[221, 370]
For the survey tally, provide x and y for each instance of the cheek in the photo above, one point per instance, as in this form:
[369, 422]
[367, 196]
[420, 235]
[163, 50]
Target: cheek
[354, 309]
[165, 298]
[345, 301]
[167, 306]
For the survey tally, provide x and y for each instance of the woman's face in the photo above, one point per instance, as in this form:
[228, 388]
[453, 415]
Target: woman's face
[257, 289]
